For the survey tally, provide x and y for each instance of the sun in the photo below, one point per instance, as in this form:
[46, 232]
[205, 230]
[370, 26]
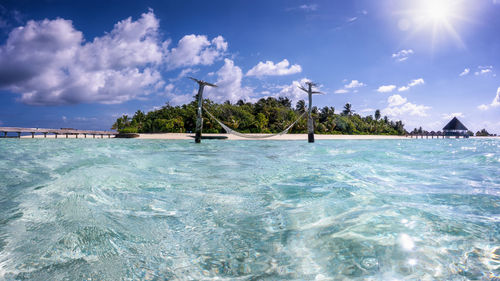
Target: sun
[439, 18]
[436, 11]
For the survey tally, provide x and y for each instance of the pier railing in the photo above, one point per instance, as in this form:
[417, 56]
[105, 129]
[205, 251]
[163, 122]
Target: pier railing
[56, 132]
[437, 136]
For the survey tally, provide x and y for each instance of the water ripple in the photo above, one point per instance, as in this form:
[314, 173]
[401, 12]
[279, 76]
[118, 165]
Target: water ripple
[259, 210]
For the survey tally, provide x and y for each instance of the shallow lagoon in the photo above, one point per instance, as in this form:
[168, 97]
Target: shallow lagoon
[249, 210]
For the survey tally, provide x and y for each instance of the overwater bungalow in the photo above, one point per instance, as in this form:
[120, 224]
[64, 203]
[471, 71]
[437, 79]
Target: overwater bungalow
[455, 128]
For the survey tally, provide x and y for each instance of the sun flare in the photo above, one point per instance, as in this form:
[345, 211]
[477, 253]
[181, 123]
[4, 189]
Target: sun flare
[436, 11]
[441, 19]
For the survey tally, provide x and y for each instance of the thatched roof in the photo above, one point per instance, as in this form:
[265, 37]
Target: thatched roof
[454, 124]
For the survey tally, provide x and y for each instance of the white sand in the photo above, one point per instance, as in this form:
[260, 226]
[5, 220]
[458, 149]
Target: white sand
[185, 136]
[179, 136]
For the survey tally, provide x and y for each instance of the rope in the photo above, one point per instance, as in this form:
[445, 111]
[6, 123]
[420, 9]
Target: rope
[231, 131]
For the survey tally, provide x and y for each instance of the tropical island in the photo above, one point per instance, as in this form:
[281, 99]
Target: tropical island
[267, 115]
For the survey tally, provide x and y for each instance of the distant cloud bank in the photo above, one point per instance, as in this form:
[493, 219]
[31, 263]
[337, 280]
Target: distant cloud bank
[48, 62]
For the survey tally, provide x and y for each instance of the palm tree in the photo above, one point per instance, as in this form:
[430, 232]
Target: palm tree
[377, 114]
[325, 113]
[301, 106]
[347, 109]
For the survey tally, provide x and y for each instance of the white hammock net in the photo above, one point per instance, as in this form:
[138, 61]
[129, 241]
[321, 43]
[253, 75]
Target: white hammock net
[252, 136]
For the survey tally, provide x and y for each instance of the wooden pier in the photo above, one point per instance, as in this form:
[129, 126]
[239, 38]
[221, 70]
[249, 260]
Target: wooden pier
[421, 136]
[56, 132]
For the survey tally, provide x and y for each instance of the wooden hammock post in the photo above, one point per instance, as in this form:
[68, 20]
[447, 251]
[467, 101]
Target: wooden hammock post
[199, 118]
[310, 123]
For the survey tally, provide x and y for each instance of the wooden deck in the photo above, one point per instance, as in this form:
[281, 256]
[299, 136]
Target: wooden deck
[437, 136]
[56, 132]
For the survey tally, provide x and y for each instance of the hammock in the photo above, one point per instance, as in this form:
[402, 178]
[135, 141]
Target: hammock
[231, 131]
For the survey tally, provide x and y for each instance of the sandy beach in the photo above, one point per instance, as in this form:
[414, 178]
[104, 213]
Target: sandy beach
[281, 137]
[187, 136]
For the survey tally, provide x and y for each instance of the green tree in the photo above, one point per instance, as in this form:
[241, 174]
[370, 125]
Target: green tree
[267, 115]
[300, 106]
[347, 110]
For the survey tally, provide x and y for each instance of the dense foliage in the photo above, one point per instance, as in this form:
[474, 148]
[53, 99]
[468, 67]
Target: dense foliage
[484, 133]
[421, 132]
[268, 115]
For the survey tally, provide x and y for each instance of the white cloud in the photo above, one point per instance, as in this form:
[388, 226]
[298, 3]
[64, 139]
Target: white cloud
[341, 91]
[269, 68]
[402, 55]
[386, 88]
[352, 19]
[347, 87]
[184, 73]
[85, 119]
[416, 82]
[407, 109]
[451, 115]
[354, 84]
[484, 70]
[304, 7]
[396, 100]
[129, 44]
[412, 83]
[292, 90]
[174, 98]
[494, 103]
[399, 107]
[169, 88]
[48, 63]
[229, 80]
[465, 72]
[229, 87]
[196, 50]
[483, 107]
[311, 7]
[496, 100]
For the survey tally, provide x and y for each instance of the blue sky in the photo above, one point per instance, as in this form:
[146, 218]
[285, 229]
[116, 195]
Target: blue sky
[82, 64]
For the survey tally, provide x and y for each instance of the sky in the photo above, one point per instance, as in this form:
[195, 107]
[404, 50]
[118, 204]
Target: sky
[82, 64]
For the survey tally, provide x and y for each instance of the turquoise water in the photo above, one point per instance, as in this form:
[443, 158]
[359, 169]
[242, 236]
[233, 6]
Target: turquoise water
[249, 210]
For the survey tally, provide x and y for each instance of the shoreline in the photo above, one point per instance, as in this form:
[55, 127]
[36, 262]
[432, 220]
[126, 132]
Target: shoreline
[187, 136]
[301, 137]
[286, 137]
